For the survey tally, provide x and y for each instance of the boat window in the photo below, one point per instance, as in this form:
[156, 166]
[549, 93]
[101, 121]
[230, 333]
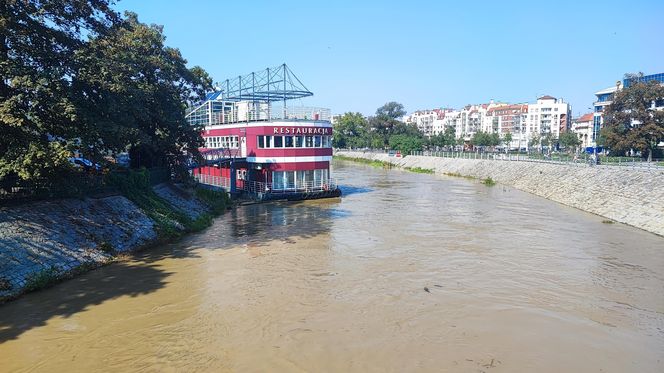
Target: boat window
[290, 179]
[278, 180]
[261, 142]
[288, 141]
[278, 141]
[317, 141]
[299, 141]
[309, 142]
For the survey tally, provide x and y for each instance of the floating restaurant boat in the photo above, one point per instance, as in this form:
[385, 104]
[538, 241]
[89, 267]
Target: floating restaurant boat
[259, 147]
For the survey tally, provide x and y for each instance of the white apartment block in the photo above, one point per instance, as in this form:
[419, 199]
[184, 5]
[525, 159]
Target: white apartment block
[548, 115]
[524, 121]
[429, 122]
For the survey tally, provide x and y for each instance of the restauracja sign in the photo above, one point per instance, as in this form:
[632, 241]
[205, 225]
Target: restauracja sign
[302, 130]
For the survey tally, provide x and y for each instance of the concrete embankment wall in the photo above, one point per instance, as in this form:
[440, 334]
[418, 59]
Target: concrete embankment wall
[44, 240]
[626, 195]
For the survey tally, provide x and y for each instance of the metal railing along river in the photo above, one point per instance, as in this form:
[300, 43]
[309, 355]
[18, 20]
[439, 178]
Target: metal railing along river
[578, 160]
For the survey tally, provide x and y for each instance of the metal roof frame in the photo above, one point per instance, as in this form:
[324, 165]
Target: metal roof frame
[272, 84]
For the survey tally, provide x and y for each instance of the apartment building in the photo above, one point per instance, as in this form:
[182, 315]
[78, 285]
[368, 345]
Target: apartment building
[548, 115]
[583, 127]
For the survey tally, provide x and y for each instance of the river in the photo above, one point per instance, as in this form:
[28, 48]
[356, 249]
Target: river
[406, 272]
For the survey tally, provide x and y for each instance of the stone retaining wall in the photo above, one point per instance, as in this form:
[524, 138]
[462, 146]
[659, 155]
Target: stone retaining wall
[54, 238]
[626, 195]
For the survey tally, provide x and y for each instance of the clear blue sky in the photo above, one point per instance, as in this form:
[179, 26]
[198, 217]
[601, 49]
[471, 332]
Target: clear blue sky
[424, 54]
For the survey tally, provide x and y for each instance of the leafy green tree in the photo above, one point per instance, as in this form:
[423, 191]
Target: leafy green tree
[569, 140]
[479, 139]
[494, 139]
[405, 143]
[549, 140]
[535, 141]
[507, 139]
[350, 131]
[631, 120]
[386, 119]
[393, 110]
[444, 139]
[133, 92]
[38, 42]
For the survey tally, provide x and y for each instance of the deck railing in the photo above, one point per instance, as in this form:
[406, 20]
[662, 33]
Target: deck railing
[259, 187]
[218, 181]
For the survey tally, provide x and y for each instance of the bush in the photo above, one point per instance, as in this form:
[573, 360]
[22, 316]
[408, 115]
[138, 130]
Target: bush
[42, 279]
[488, 181]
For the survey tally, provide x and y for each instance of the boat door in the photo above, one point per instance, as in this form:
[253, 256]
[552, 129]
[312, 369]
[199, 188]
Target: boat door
[243, 146]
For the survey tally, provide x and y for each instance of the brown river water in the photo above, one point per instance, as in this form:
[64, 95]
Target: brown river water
[516, 283]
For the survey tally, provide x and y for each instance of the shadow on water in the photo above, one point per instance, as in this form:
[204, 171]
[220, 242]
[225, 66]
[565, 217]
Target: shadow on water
[260, 223]
[132, 278]
[347, 190]
[256, 224]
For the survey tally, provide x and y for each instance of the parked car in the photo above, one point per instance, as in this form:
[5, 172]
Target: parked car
[122, 159]
[86, 164]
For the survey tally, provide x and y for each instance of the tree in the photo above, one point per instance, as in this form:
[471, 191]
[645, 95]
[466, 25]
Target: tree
[350, 131]
[39, 40]
[393, 110]
[386, 118]
[569, 140]
[507, 140]
[548, 140]
[78, 76]
[631, 121]
[535, 141]
[481, 138]
[405, 143]
[138, 89]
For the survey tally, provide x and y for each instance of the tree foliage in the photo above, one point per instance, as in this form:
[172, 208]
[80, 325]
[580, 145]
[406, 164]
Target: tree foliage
[384, 129]
[569, 140]
[39, 40]
[405, 143]
[77, 76]
[631, 121]
[481, 138]
[448, 138]
[350, 131]
[133, 92]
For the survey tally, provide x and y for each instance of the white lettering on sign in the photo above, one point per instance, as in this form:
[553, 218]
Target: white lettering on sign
[302, 130]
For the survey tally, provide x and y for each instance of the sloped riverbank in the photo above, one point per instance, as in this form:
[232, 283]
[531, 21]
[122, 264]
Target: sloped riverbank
[631, 196]
[47, 241]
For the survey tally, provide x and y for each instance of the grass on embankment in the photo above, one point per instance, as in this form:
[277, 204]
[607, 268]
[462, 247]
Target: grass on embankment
[370, 162]
[382, 164]
[419, 170]
[171, 222]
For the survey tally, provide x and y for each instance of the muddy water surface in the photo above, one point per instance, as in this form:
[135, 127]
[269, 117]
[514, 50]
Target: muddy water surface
[514, 283]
